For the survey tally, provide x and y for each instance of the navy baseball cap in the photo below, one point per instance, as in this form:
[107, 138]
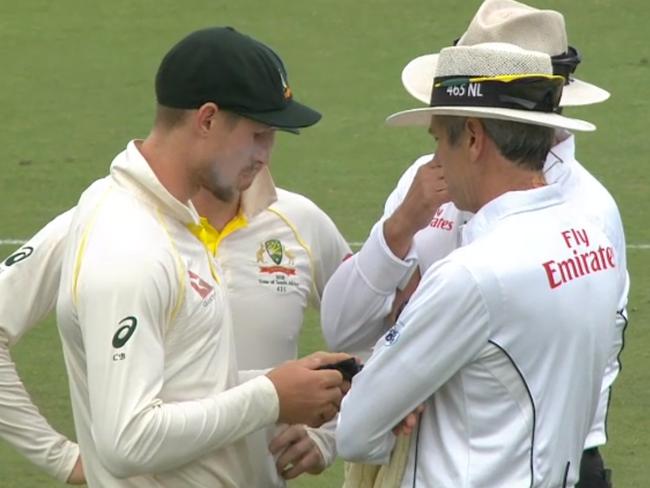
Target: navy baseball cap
[234, 71]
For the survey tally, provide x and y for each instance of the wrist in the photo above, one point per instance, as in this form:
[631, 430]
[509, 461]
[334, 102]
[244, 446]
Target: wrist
[398, 235]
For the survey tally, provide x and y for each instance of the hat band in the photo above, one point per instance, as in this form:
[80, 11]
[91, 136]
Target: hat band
[566, 63]
[537, 93]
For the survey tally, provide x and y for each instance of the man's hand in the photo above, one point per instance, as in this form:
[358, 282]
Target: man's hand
[77, 477]
[403, 296]
[406, 426]
[298, 453]
[427, 192]
[308, 395]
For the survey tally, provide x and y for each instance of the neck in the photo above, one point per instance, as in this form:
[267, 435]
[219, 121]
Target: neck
[561, 135]
[505, 178]
[218, 212]
[169, 160]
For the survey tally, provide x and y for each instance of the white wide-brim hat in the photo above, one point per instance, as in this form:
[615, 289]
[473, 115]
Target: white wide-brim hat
[494, 81]
[514, 23]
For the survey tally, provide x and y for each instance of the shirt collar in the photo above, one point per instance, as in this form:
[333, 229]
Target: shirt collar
[130, 170]
[260, 195]
[558, 160]
[510, 203]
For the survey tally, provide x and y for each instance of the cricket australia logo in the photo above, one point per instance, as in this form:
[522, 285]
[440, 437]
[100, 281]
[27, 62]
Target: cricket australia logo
[276, 252]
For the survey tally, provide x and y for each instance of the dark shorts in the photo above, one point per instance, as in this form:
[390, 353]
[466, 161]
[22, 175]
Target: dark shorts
[592, 471]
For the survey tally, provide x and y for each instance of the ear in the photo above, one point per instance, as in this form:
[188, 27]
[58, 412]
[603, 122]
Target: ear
[475, 138]
[206, 117]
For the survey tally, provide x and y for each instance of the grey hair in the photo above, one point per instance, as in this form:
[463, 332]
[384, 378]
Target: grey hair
[525, 145]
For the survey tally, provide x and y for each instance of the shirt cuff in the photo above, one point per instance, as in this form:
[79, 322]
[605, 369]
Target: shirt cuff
[264, 393]
[325, 440]
[379, 267]
[69, 456]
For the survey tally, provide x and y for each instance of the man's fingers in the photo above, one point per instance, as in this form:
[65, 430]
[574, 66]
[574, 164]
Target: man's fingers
[406, 426]
[285, 437]
[320, 358]
[311, 463]
[302, 456]
[331, 410]
[334, 396]
[325, 414]
[292, 454]
[331, 378]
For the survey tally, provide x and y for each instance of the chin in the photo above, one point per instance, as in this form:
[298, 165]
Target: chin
[245, 186]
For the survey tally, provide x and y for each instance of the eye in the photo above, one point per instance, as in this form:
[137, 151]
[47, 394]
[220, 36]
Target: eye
[264, 135]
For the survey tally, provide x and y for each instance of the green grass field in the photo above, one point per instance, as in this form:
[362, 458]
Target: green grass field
[76, 83]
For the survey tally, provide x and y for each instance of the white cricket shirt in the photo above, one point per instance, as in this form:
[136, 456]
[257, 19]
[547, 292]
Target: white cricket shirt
[148, 343]
[506, 342]
[30, 276]
[29, 280]
[273, 269]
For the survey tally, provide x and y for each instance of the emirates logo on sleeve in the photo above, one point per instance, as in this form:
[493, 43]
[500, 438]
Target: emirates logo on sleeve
[439, 222]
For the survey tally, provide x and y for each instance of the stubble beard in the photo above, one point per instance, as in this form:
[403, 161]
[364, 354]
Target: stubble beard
[214, 184]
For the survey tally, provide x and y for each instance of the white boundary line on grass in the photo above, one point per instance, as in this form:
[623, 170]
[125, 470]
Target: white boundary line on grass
[353, 244]
[7, 242]
[357, 245]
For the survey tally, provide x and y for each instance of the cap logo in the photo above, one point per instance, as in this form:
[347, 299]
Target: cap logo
[287, 94]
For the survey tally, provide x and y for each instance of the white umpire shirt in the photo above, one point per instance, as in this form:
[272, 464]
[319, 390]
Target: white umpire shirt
[148, 343]
[360, 294]
[506, 342]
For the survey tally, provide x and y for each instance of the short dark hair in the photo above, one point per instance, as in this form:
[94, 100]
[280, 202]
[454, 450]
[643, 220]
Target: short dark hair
[524, 144]
[169, 117]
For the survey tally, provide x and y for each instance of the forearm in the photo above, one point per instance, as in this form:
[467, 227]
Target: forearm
[445, 319]
[249, 374]
[167, 435]
[26, 430]
[360, 294]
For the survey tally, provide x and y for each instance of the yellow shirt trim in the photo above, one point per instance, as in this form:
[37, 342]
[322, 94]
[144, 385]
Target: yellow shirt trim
[211, 237]
[83, 242]
[180, 268]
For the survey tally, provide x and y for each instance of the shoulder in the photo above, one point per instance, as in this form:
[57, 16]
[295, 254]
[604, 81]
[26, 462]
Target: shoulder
[46, 243]
[591, 187]
[592, 199]
[296, 204]
[122, 238]
[454, 279]
[300, 211]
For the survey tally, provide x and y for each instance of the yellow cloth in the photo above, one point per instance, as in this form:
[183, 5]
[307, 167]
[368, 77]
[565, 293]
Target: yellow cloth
[210, 236]
[380, 476]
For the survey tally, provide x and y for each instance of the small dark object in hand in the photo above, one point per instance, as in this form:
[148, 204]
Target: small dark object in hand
[348, 368]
